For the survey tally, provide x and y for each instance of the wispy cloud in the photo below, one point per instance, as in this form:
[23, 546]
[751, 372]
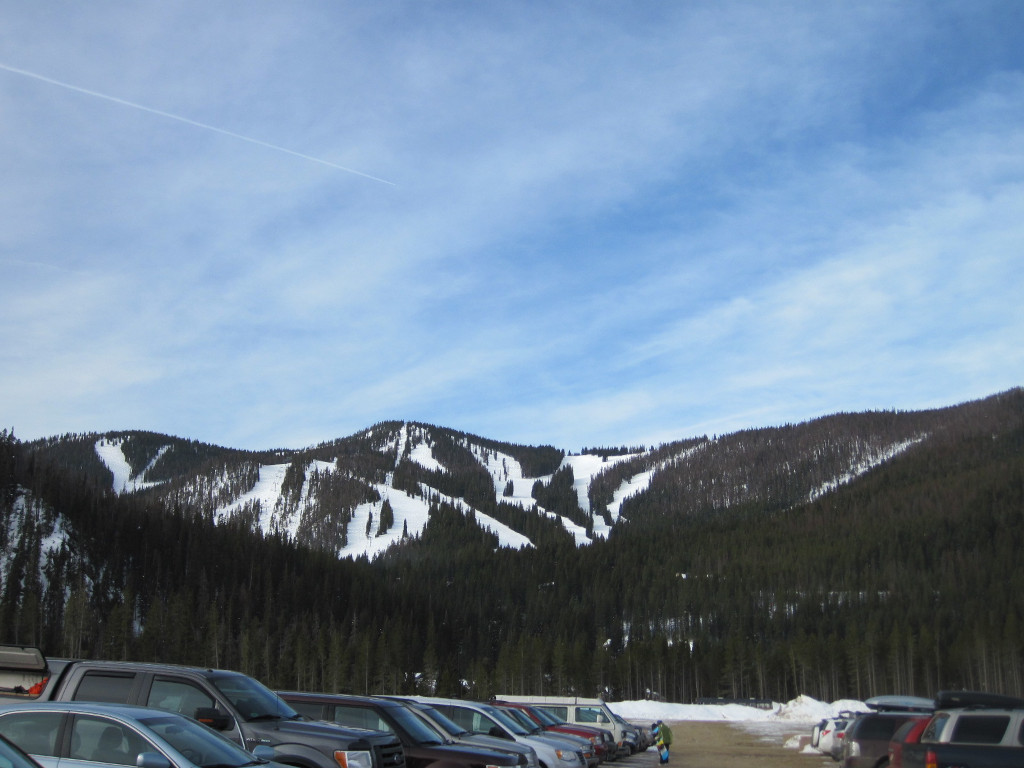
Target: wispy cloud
[610, 224]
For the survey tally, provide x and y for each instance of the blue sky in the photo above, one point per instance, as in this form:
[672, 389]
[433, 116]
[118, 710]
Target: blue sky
[266, 224]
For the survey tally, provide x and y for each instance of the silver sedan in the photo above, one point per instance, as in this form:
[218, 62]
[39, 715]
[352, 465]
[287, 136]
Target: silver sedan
[83, 735]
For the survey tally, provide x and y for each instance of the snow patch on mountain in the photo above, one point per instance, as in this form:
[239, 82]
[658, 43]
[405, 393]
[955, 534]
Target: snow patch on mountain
[112, 456]
[504, 468]
[585, 466]
[864, 465]
[411, 514]
[265, 492]
[422, 454]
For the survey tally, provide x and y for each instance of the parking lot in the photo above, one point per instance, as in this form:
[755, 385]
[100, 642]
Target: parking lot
[646, 759]
[728, 745]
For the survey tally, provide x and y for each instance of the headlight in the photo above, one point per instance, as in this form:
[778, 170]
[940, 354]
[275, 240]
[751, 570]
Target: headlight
[353, 759]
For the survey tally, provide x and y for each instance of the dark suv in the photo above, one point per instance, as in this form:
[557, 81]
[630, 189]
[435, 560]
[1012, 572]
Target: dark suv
[423, 747]
[866, 742]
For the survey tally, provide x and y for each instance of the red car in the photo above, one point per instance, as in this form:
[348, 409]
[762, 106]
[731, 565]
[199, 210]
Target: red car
[908, 733]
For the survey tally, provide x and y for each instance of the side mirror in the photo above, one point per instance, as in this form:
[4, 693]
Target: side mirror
[264, 752]
[152, 760]
[214, 718]
[496, 731]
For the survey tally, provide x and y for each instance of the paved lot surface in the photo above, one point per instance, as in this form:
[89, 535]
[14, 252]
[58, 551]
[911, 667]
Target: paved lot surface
[731, 745]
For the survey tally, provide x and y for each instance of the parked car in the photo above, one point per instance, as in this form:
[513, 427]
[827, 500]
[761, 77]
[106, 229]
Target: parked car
[970, 729]
[423, 746]
[601, 738]
[816, 731]
[240, 707]
[866, 739]
[908, 733]
[61, 733]
[478, 717]
[630, 732]
[838, 735]
[646, 736]
[534, 728]
[449, 729]
[827, 732]
[575, 709]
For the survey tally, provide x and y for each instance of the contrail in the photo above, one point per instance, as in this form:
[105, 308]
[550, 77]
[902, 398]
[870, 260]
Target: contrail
[187, 121]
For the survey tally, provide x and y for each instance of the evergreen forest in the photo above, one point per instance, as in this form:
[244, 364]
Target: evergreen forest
[761, 564]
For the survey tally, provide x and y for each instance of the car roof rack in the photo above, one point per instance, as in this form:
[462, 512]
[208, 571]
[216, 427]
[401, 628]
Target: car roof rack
[900, 704]
[976, 700]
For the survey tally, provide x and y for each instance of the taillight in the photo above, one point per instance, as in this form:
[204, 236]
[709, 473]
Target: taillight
[931, 760]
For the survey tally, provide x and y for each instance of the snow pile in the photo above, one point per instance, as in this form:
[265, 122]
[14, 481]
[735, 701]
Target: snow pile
[802, 709]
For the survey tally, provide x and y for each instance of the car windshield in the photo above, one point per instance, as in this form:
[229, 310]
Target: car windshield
[522, 718]
[447, 725]
[253, 700]
[201, 745]
[505, 720]
[417, 730]
[546, 717]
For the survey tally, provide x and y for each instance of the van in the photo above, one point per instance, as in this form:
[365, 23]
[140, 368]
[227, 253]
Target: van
[580, 711]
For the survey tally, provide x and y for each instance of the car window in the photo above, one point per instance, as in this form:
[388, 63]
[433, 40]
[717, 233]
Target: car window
[522, 719]
[10, 757]
[446, 723]
[471, 720]
[311, 709]
[34, 732]
[107, 687]
[546, 717]
[413, 727]
[561, 712]
[878, 728]
[980, 729]
[105, 741]
[252, 699]
[903, 730]
[178, 696]
[590, 715]
[198, 743]
[504, 720]
[360, 717]
[934, 729]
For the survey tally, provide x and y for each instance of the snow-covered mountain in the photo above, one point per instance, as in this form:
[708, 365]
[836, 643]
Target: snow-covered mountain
[275, 508]
[361, 495]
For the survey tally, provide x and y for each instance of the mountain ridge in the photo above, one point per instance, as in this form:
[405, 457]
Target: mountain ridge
[843, 557]
[333, 495]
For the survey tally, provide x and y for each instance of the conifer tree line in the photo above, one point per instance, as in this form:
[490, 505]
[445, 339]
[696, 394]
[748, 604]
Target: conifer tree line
[730, 577]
